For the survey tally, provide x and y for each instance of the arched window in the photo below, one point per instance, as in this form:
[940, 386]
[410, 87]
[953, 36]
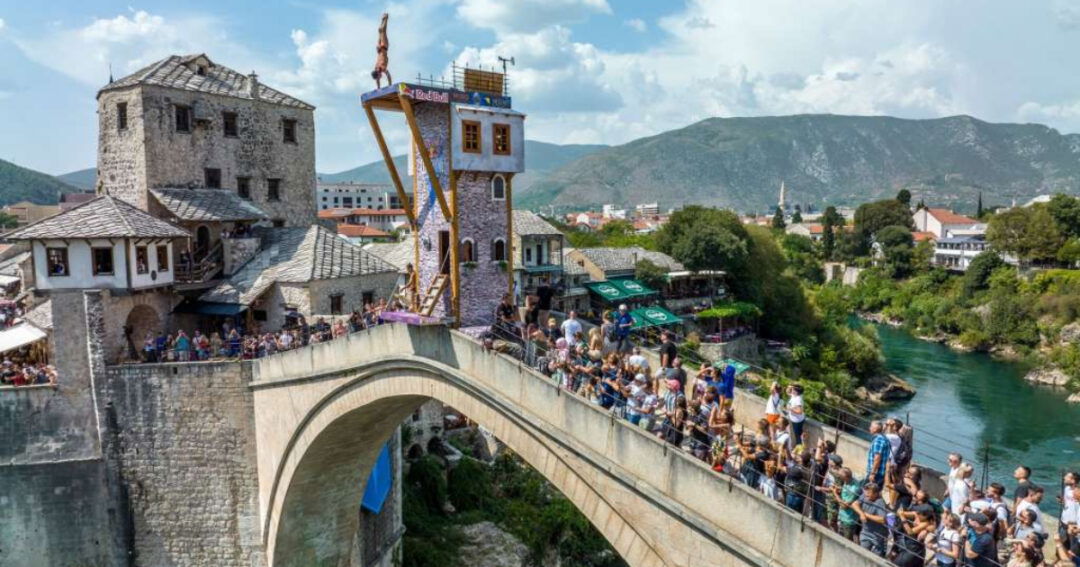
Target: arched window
[498, 188]
[498, 249]
[467, 251]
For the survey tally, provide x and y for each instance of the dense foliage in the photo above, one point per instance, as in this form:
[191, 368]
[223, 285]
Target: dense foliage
[508, 493]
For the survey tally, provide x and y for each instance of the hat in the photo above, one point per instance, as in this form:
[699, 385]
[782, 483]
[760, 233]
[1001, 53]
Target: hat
[639, 378]
[673, 385]
[978, 518]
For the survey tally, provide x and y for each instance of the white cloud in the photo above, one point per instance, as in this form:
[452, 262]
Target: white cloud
[128, 42]
[1067, 13]
[2, 24]
[636, 24]
[527, 15]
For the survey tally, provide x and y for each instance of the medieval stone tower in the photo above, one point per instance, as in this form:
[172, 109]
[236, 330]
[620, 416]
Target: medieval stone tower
[467, 144]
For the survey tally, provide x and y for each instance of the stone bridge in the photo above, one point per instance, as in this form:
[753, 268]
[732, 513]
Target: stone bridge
[323, 412]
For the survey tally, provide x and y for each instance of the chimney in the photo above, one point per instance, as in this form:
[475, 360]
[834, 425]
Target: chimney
[253, 85]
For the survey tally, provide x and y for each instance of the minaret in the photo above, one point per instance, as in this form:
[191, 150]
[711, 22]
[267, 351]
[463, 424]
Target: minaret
[783, 192]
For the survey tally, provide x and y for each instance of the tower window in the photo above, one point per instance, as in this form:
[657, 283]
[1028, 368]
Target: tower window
[501, 139]
[243, 187]
[121, 116]
[273, 189]
[498, 249]
[103, 261]
[467, 251]
[183, 118]
[212, 176]
[229, 124]
[162, 258]
[57, 260]
[498, 188]
[470, 136]
[288, 131]
[336, 304]
[142, 260]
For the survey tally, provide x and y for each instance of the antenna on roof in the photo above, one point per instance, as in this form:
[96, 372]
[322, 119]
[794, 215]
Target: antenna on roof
[504, 61]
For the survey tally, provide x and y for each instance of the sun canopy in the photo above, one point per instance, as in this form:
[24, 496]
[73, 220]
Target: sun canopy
[615, 291]
[658, 315]
[19, 335]
[740, 367]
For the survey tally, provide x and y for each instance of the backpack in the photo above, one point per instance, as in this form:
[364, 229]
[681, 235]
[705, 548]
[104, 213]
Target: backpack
[903, 452]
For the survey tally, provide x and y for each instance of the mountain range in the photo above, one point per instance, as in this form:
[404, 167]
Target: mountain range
[740, 163]
[822, 159]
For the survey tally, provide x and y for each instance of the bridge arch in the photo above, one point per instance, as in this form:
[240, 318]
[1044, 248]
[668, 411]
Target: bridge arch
[317, 490]
[322, 412]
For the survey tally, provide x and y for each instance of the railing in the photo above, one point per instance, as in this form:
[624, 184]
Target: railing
[204, 269]
[469, 79]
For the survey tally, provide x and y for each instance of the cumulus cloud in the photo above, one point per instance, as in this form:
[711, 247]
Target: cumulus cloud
[2, 24]
[1067, 13]
[128, 42]
[526, 16]
[636, 24]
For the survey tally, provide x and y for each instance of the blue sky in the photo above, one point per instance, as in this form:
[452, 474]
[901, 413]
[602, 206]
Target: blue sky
[589, 71]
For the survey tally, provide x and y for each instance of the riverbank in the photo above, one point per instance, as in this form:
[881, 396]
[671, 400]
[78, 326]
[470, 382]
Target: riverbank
[983, 408]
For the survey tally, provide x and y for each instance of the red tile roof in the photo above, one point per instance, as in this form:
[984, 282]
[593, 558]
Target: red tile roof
[360, 230]
[334, 213]
[945, 216]
[379, 212]
[920, 236]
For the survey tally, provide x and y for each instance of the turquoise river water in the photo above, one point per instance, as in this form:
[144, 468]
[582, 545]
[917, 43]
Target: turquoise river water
[981, 406]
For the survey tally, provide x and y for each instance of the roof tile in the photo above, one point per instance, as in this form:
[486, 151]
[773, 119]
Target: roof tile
[103, 217]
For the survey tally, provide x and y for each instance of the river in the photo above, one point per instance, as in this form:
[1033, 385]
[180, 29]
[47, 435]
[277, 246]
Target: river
[968, 401]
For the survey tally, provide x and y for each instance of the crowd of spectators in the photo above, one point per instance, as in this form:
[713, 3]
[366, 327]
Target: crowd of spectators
[880, 505]
[232, 341]
[26, 374]
[10, 313]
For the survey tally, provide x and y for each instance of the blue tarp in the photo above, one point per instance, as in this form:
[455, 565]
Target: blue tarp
[378, 482]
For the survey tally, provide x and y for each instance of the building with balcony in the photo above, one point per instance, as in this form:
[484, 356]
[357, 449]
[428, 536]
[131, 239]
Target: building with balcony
[956, 253]
[538, 252]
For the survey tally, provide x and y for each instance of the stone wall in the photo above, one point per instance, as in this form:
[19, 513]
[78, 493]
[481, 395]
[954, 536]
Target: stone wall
[480, 219]
[352, 289]
[150, 153]
[187, 454]
[57, 504]
[121, 159]
[237, 252]
[118, 313]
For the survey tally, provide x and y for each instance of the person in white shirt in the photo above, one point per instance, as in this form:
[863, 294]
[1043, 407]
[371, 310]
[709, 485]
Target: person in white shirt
[955, 460]
[796, 413]
[960, 490]
[892, 433]
[571, 327]
[1031, 502]
[1070, 499]
[773, 405]
[639, 360]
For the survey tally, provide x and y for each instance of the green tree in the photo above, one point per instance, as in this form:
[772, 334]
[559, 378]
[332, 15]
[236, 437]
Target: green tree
[897, 246]
[1029, 233]
[828, 242]
[872, 217]
[797, 217]
[802, 258]
[778, 219]
[977, 276]
[704, 238]
[904, 196]
[1069, 253]
[650, 274]
[831, 217]
[8, 221]
[979, 207]
[1066, 212]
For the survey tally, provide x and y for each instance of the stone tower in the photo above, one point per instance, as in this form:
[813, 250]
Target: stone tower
[186, 122]
[467, 144]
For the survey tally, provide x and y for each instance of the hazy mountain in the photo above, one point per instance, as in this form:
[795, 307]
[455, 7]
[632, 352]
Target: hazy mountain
[823, 159]
[19, 183]
[541, 159]
[83, 179]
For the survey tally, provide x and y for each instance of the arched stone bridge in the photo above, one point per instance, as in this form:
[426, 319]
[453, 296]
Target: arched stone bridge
[323, 412]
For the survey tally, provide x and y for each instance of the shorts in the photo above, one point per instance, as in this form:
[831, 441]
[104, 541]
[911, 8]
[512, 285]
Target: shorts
[849, 531]
[772, 418]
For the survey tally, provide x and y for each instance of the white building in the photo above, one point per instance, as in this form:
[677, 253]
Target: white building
[610, 212]
[647, 209]
[957, 252]
[945, 223]
[355, 196]
[105, 243]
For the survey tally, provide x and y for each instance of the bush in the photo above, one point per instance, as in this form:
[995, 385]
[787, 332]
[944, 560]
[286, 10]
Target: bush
[974, 339]
[469, 484]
